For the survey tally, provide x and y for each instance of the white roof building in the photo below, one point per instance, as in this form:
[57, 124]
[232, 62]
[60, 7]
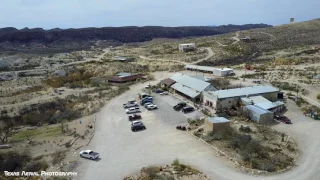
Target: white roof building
[243, 92]
[209, 69]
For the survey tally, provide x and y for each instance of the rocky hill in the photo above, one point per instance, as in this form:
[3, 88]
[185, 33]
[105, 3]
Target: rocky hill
[71, 39]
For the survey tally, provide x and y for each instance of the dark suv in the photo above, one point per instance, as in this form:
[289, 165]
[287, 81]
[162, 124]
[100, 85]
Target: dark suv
[187, 109]
[179, 106]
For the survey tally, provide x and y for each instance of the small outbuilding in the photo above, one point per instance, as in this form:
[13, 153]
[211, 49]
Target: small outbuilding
[187, 47]
[217, 124]
[258, 114]
[167, 82]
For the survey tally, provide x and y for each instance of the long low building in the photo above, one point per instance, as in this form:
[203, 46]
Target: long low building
[209, 69]
[123, 77]
[232, 97]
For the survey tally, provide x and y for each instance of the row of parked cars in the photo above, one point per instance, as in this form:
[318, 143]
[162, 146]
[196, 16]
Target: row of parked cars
[132, 108]
[183, 107]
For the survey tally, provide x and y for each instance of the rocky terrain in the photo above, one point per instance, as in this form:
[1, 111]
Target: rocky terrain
[71, 39]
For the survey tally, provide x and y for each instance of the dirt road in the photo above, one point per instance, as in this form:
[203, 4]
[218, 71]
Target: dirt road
[124, 152]
[208, 56]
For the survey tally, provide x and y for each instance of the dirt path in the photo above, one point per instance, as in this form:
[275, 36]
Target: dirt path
[235, 38]
[208, 56]
[124, 153]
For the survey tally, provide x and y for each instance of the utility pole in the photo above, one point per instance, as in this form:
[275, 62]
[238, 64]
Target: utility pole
[245, 72]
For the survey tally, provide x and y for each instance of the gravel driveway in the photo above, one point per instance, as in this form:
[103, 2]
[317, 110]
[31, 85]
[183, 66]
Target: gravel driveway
[124, 152]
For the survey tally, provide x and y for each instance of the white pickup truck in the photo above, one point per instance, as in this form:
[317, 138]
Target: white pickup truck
[89, 154]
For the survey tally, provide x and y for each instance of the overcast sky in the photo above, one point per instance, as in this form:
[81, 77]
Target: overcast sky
[99, 13]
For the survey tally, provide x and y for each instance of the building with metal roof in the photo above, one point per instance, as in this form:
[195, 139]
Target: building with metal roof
[185, 90]
[258, 114]
[202, 78]
[254, 100]
[123, 74]
[167, 82]
[246, 91]
[189, 86]
[264, 103]
[209, 69]
[124, 77]
[217, 124]
[232, 97]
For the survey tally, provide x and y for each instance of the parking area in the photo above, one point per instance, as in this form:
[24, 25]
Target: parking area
[168, 101]
[124, 152]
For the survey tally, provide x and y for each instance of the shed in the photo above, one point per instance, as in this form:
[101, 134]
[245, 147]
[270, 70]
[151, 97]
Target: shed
[187, 47]
[167, 82]
[217, 124]
[258, 114]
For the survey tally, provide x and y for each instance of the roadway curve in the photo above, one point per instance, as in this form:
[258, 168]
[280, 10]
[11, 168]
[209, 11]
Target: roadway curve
[124, 152]
[208, 56]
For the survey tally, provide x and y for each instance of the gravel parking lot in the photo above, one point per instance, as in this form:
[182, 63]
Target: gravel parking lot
[124, 152]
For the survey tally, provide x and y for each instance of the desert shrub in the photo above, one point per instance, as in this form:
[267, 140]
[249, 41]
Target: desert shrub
[151, 172]
[65, 115]
[36, 166]
[58, 156]
[245, 129]
[220, 83]
[254, 76]
[164, 177]
[218, 136]
[175, 162]
[240, 141]
[196, 122]
[13, 161]
[318, 96]
[300, 101]
[265, 165]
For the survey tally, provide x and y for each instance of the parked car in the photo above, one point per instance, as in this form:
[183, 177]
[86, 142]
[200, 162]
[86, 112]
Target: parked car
[187, 109]
[89, 154]
[158, 91]
[148, 86]
[130, 104]
[133, 110]
[147, 103]
[134, 117]
[283, 119]
[145, 100]
[137, 125]
[152, 106]
[144, 96]
[164, 93]
[179, 106]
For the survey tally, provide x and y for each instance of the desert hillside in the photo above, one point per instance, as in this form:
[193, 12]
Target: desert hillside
[71, 39]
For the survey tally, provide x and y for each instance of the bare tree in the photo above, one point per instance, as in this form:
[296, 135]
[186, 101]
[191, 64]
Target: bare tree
[6, 126]
[28, 136]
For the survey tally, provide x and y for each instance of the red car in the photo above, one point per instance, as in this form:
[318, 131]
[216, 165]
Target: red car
[283, 119]
[134, 117]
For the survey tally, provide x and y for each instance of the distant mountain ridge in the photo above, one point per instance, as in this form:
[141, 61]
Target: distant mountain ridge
[69, 39]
